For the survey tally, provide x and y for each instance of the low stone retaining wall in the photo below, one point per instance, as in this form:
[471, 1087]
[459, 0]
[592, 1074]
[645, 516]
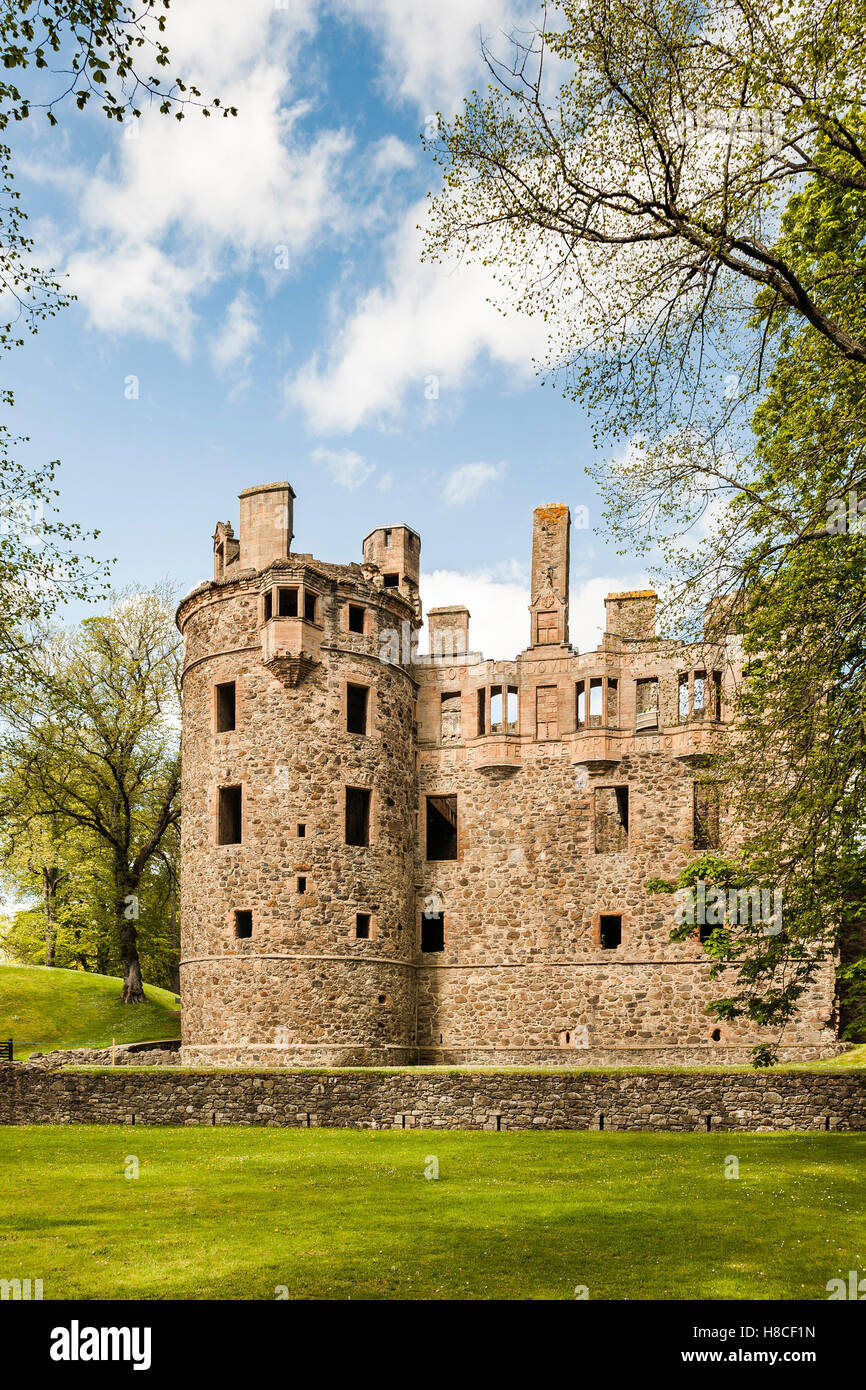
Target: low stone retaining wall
[685, 1101]
[141, 1054]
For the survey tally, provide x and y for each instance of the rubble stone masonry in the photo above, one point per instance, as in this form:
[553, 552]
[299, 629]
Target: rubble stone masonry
[392, 859]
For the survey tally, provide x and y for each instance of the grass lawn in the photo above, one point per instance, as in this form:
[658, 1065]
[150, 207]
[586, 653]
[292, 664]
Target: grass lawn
[50, 1009]
[237, 1212]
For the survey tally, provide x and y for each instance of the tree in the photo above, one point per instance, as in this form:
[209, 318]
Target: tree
[55, 52]
[94, 742]
[624, 173]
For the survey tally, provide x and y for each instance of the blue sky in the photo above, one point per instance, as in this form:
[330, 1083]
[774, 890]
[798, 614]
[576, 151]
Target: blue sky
[258, 283]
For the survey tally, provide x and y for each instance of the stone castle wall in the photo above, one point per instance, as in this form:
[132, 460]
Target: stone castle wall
[671, 1101]
[563, 812]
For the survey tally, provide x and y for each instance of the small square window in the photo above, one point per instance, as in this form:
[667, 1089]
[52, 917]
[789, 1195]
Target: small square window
[356, 618]
[243, 924]
[362, 926]
[391, 581]
[433, 932]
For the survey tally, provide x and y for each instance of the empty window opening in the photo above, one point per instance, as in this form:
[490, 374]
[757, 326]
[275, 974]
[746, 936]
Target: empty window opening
[391, 581]
[482, 711]
[310, 602]
[302, 885]
[595, 704]
[356, 618]
[302, 831]
[699, 697]
[287, 603]
[433, 932]
[442, 827]
[612, 703]
[358, 815]
[387, 537]
[357, 700]
[362, 926]
[383, 999]
[705, 931]
[581, 705]
[226, 707]
[243, 924]
[611, 820]
[683, 698]
[230, 815]
[717, 1035]
[496, 710]
[707, 802]
[716, 705]
[512, 712]
[647, 703]
[268, 606]
[547, 712]
[451, 725]
[610, 931]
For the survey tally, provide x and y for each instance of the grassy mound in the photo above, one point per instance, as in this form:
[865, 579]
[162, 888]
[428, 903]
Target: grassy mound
[43, 1010]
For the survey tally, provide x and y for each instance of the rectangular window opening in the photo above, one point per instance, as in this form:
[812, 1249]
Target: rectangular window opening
[357, 700]
[595, 703]
[581, 705]
[358, 815]
[512, 710]
[647, 703]
[610, 931]
[287, 603]
[356, 618]
[362, 926]
[700, 688]
[433, 932]
[302, 885]
[482, 711]
[496, 710]
[268, 606]
[683, 698]
[611, 820]
[707, 802]
[442, 827]
[391, 581]
[226, 707]
[243, 924]
[310, 607]
[450, 725]
[717, 695]
[230, 816]
[302, 831]
[612, 703]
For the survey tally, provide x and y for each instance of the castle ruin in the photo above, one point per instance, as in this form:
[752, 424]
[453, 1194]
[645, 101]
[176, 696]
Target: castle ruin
[391, 858]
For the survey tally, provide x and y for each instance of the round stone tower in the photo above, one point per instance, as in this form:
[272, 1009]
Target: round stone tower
[299, 796]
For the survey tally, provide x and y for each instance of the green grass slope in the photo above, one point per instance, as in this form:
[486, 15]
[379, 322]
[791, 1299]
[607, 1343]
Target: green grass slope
[43, 1010]
[238, 1213]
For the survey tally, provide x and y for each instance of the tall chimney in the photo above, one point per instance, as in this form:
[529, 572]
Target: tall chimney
[550, 570]
[266, 524]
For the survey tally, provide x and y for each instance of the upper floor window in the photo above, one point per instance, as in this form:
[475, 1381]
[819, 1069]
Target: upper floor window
[647, 703]
[310, 606]
[498, 709]
[287, 603]
[597, 704]
[226, 707]
[442, 827]
[357, 702]
[357, 615]
[699, 695]
[451, 722]
[230, 816]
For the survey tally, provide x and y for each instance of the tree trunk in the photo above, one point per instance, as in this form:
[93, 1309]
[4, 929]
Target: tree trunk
[50, 879]
[126, 908]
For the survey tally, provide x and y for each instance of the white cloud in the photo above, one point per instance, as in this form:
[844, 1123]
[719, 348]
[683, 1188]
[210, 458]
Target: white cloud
[346, 468]
[428, 321]
[432, 53]
[465, 482]
[239, 333]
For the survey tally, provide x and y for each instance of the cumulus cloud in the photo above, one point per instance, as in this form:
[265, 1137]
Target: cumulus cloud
[238, 335]
[465, 482]
[421, 333]
[346, 468]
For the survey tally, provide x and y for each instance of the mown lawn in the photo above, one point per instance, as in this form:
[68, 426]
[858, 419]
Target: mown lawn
[343, 1214]
[42, 1010]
